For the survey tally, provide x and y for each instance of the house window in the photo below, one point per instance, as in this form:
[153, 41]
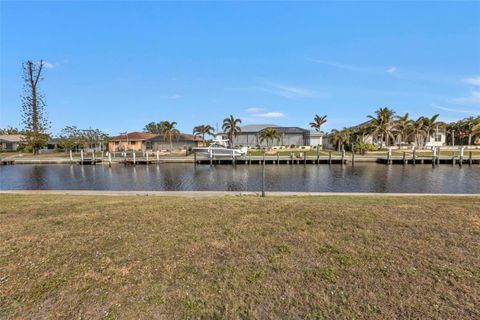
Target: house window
[133, 142]
[438, 138]
[117, 143]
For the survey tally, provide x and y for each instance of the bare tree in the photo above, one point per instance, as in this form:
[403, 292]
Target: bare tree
[33, 106]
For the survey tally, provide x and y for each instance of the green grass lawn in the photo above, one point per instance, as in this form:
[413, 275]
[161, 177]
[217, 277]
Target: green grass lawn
[85, 257]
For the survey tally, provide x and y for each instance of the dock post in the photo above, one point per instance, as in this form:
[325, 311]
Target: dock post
[304, 158]
[343, 154]
[134, 159]
[278, 158]
[404, 158]
[291, 157]
[81, 157]
[318, 154]
[146, 156]
[434, 156]
[93, 156]
[353, 155]
[470, 158]
[389, 156]
[211, 157]
[71, 157]
[461, 156]
[329, 157]
[263, 176]
[125, 157]
[438, 155]
[453, 157]
[233, 159]
[414, 156]
[109, 159]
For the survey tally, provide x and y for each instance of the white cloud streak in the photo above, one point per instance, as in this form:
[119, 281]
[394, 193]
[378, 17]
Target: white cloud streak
[391, 70]
[253, 110]
[475, 81]
[455, 110]
[288, 91]
[473, 98]
[270, 115]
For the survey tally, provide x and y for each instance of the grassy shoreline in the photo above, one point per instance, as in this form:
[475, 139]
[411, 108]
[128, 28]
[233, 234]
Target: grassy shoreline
[289, 257]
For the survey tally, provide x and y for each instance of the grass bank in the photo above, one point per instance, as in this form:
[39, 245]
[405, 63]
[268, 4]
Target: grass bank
[239, 257]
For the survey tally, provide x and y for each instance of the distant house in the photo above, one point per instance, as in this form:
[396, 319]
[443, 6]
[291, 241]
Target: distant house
[183, 141]
[11, 142]
[250, 136]
[143, 141]
[131, 141]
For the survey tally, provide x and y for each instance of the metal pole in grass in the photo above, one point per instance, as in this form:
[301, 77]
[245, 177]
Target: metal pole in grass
[263, 175]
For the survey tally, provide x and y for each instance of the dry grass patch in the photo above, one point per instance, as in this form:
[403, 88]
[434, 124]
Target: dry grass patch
[154, 257]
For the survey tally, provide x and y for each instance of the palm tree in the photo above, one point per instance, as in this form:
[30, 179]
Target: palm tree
[169, 132]
[203, 130]
[153, 127]
[231, 128]
[340, 137]
[468, 127]
[382, 124]
[318, 121]
[418, 129]
[430, 124]
[269, 134]
[403, 126]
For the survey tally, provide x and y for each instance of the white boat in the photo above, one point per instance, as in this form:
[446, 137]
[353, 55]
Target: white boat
[221, 148]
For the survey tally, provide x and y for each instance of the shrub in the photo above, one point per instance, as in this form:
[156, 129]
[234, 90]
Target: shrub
[364, 147]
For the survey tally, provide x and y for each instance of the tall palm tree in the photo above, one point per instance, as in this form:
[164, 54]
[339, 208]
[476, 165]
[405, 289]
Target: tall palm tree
[170, 132]
[468, 127]
[430, 124]
[382, 124]
[403, 127]
[202, 130]
[231, 128]
[419, 130]
[340, 137]
[318, 121]
[269, 134]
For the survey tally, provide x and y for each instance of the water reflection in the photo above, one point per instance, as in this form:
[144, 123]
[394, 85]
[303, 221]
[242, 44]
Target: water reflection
[363, 177]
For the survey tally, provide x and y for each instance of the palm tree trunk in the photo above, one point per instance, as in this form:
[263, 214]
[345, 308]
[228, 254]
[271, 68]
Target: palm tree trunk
[469, 139]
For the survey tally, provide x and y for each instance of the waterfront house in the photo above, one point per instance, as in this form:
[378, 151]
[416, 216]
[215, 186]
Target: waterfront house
[10, 142]
[130, 141]
[182, 141]
[289, 136]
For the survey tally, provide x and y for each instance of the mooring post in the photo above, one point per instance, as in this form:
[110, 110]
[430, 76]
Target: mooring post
[343, 154]
[93, 156]
[278, 158]
[404, 158]
[125, 157]
[470, 158]
[291, 157]
[109, 159]
[146, 156]
[318, 154]
[263, 176]
[233, 158]
[389, 153]
[453, 157]
[434, 156]
[81, 156]
[304, 158]
[71, 156]
[414, 156]
[461, 156]
[211, 157]
[353, 155]
[329, 157]
[134, 159]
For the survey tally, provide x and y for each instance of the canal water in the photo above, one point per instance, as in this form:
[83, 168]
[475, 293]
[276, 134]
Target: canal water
[363, 177]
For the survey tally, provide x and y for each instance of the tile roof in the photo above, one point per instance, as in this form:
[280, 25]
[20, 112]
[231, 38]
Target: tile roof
[135, 136]
[12, 137]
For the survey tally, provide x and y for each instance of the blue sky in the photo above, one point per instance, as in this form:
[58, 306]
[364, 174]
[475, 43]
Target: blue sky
[119, 65]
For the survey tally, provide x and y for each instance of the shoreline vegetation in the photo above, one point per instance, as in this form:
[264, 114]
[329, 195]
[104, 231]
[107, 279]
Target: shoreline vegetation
[372, 257]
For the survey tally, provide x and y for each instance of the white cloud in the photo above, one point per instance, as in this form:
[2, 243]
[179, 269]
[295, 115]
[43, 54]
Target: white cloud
[288, 91]
[270, 115]
[48, 65]
[391, 70]
[473, 98]
[475, 81]
[253, 110]
[455, 110]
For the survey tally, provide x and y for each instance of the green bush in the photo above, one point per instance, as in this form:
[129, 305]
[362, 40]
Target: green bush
[365, 147]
